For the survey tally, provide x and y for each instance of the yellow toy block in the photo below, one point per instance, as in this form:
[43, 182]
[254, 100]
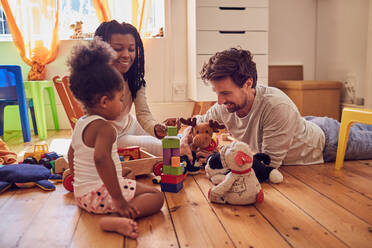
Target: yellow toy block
[176, 161]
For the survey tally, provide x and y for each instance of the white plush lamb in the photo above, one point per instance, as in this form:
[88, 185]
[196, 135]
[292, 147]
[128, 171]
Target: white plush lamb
[240, 186]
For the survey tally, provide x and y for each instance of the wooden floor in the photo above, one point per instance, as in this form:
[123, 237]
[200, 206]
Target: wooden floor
[315, 206]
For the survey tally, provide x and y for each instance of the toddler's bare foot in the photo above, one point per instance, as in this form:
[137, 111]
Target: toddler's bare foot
[122, 225]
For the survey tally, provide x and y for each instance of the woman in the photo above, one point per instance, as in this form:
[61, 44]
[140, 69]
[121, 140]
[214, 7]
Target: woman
[130, 62]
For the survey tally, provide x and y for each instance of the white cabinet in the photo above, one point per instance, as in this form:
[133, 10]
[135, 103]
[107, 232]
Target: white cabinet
[216, 25]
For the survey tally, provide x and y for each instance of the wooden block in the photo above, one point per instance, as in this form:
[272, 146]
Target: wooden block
[172, 131]
[173, 188]
[171, 179]
[169, 170]
[171, 143]
[176, 161]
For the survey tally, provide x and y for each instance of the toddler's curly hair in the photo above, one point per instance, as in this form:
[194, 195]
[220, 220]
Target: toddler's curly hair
[91, 73]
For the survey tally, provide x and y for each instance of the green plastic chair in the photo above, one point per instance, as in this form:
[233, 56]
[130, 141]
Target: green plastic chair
[35, 91]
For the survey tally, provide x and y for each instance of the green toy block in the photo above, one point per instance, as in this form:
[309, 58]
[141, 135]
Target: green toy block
[171, 143]
[169, 170]
[172, 131]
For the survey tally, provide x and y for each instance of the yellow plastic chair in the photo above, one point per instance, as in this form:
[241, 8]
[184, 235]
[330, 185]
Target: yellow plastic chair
[349, 116]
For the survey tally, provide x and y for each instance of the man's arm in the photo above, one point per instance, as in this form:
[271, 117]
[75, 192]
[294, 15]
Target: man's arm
[279, 127]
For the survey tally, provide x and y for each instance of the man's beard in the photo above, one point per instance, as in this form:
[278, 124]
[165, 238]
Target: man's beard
[236, 107]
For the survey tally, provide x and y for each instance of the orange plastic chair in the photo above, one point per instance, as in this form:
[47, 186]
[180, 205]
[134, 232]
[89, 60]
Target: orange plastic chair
[72, 107]
[349, 116]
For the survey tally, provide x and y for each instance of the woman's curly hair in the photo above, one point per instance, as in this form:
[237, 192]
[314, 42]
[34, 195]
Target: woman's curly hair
[91, 73]
[135, 75]
[234, 63]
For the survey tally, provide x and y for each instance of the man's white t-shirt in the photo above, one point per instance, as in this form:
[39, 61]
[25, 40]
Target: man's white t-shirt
[275, 127]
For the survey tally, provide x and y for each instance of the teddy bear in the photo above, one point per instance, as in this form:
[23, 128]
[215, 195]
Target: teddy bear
[78, 30]
[202, 138]
[240, 186]
[216, 170]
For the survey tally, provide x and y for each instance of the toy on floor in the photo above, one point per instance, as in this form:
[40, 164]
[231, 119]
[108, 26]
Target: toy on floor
[202, 134]
[217, 169]
[172, 175]
[41, 156]
[240, 186]
[26, 176]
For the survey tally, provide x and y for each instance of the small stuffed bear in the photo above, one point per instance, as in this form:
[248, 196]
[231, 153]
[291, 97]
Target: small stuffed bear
[78, 30]
[216, 170]
[240, 186]
[202, 134]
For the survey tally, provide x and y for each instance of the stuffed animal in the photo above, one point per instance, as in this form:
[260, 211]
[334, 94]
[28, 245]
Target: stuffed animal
[216, 170]
[240, 186]
[78, 30]
[26, 176]
[202, 137]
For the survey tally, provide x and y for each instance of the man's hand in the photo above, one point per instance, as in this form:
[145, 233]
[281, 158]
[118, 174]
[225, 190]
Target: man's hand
[160, 131]
[202, 155]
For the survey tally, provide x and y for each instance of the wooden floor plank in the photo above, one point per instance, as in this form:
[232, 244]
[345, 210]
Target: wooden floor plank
[346, 177]
[156, 230]
[89, 234]
[362, 168]
[352, 200]
[196, 225]
[244, 224]
[298, 228]
[6, 196]
[53, 226]
[18, 213]
[336, 219]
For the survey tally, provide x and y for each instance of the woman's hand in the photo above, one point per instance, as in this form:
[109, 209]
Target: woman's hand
[125, 209]
[173, 122]
[160, 131]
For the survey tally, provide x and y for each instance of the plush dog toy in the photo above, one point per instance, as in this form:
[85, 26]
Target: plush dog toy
[240, 186]
[26, 176]
[216, 170]
[202, 137]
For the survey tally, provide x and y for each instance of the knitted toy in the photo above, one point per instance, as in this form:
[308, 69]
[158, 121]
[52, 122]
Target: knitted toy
[240, 186]
[202, 134]
[216, 170]
[26, 176]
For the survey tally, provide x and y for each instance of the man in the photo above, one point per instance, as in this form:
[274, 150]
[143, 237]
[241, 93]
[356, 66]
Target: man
[267, 120]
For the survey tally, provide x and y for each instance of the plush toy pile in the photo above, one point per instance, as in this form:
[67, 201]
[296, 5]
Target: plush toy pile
[202, 138]
[240, 186]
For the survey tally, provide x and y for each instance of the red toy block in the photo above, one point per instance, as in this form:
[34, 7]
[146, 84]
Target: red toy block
[171, 179]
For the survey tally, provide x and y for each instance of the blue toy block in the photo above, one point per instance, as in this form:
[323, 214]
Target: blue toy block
[173, 188]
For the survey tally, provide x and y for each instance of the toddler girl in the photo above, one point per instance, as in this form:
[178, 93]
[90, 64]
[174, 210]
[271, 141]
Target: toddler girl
[93, 159]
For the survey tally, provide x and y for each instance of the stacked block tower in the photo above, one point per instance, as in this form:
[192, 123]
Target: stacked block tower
[172, 176]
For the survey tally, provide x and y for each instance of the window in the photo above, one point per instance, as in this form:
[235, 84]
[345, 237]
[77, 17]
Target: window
[72, 11]
[4, 29]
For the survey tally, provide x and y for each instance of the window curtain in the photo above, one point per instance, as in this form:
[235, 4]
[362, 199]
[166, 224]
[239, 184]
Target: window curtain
[34, 27]
[102, 10]
[140, 11]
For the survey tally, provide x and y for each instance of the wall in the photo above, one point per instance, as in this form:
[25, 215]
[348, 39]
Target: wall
[342, 41]
[292, 34]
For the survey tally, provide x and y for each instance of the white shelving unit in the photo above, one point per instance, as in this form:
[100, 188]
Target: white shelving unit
[216, 25]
